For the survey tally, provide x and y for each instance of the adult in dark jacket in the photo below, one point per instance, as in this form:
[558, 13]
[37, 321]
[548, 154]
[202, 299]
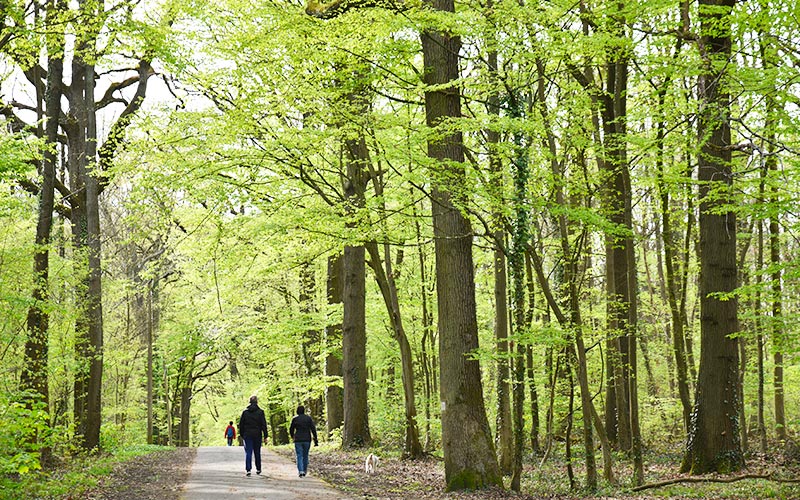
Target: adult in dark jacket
[253, 430]
[302, 430]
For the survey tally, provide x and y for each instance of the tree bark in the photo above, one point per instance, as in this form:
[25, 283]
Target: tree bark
[95, 289]
[469, 455]
[334, 393]
[355, 433]
[34, 377]
[713, 443]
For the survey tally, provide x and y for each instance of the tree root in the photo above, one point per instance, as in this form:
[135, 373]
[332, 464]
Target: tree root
[769, 477]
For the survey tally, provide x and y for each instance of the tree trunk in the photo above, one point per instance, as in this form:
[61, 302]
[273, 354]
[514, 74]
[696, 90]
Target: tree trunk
[504, 432]
[572, 321]
[388, 288]
[34, 377]
[185, 412]
[354, 361]
[333, 337]
[519, 242]
[469, 455]
[621, 283]
[94, 387]
[504, 437]
[148, 327]
[742, 371]
[356, 432]
[84, 202]
[76, 137]
[713, 444]
[531, 373]
[675, 286]
[427, 343]
[535, 446]
[777, 306]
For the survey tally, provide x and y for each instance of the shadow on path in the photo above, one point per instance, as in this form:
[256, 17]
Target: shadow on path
[218, 474]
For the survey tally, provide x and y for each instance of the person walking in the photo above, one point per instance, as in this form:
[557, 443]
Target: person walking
[253, 430]
[302, 430]
[230, 433]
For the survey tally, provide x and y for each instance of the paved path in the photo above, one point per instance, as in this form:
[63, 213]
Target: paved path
[218, 474]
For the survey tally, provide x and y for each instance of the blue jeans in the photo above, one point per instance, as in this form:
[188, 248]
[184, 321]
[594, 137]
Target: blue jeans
[252, 446]
[301, 449]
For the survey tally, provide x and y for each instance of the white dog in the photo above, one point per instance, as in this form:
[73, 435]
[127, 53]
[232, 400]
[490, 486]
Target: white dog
[371, 464]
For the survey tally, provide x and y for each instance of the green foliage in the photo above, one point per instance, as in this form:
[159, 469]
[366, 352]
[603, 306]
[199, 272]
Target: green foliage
[226, 191]
[75, 478]
[26, 432]
[17, 156]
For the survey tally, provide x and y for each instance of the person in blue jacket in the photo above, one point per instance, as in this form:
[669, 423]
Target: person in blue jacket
[302, 430]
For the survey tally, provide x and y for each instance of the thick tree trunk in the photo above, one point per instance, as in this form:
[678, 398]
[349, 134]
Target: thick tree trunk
[621, 282]
[84, 202]
[76, 136]
[95, 291]
[334, 395]
[469, 455]
[34, 377]
[356, 433]
[713, 444]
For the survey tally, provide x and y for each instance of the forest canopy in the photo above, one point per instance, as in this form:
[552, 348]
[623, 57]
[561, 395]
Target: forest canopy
[495, 232]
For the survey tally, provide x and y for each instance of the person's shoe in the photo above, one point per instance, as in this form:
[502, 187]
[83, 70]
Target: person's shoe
[248, 473]
[258, 472]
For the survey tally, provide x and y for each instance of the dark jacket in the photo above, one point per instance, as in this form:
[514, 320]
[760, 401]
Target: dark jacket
[302, 429]
[252, 423]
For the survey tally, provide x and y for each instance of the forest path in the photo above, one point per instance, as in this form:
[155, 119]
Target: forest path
[218, 474]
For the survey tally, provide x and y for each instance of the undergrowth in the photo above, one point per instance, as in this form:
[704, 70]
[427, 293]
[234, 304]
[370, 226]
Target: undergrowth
[70, 477]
